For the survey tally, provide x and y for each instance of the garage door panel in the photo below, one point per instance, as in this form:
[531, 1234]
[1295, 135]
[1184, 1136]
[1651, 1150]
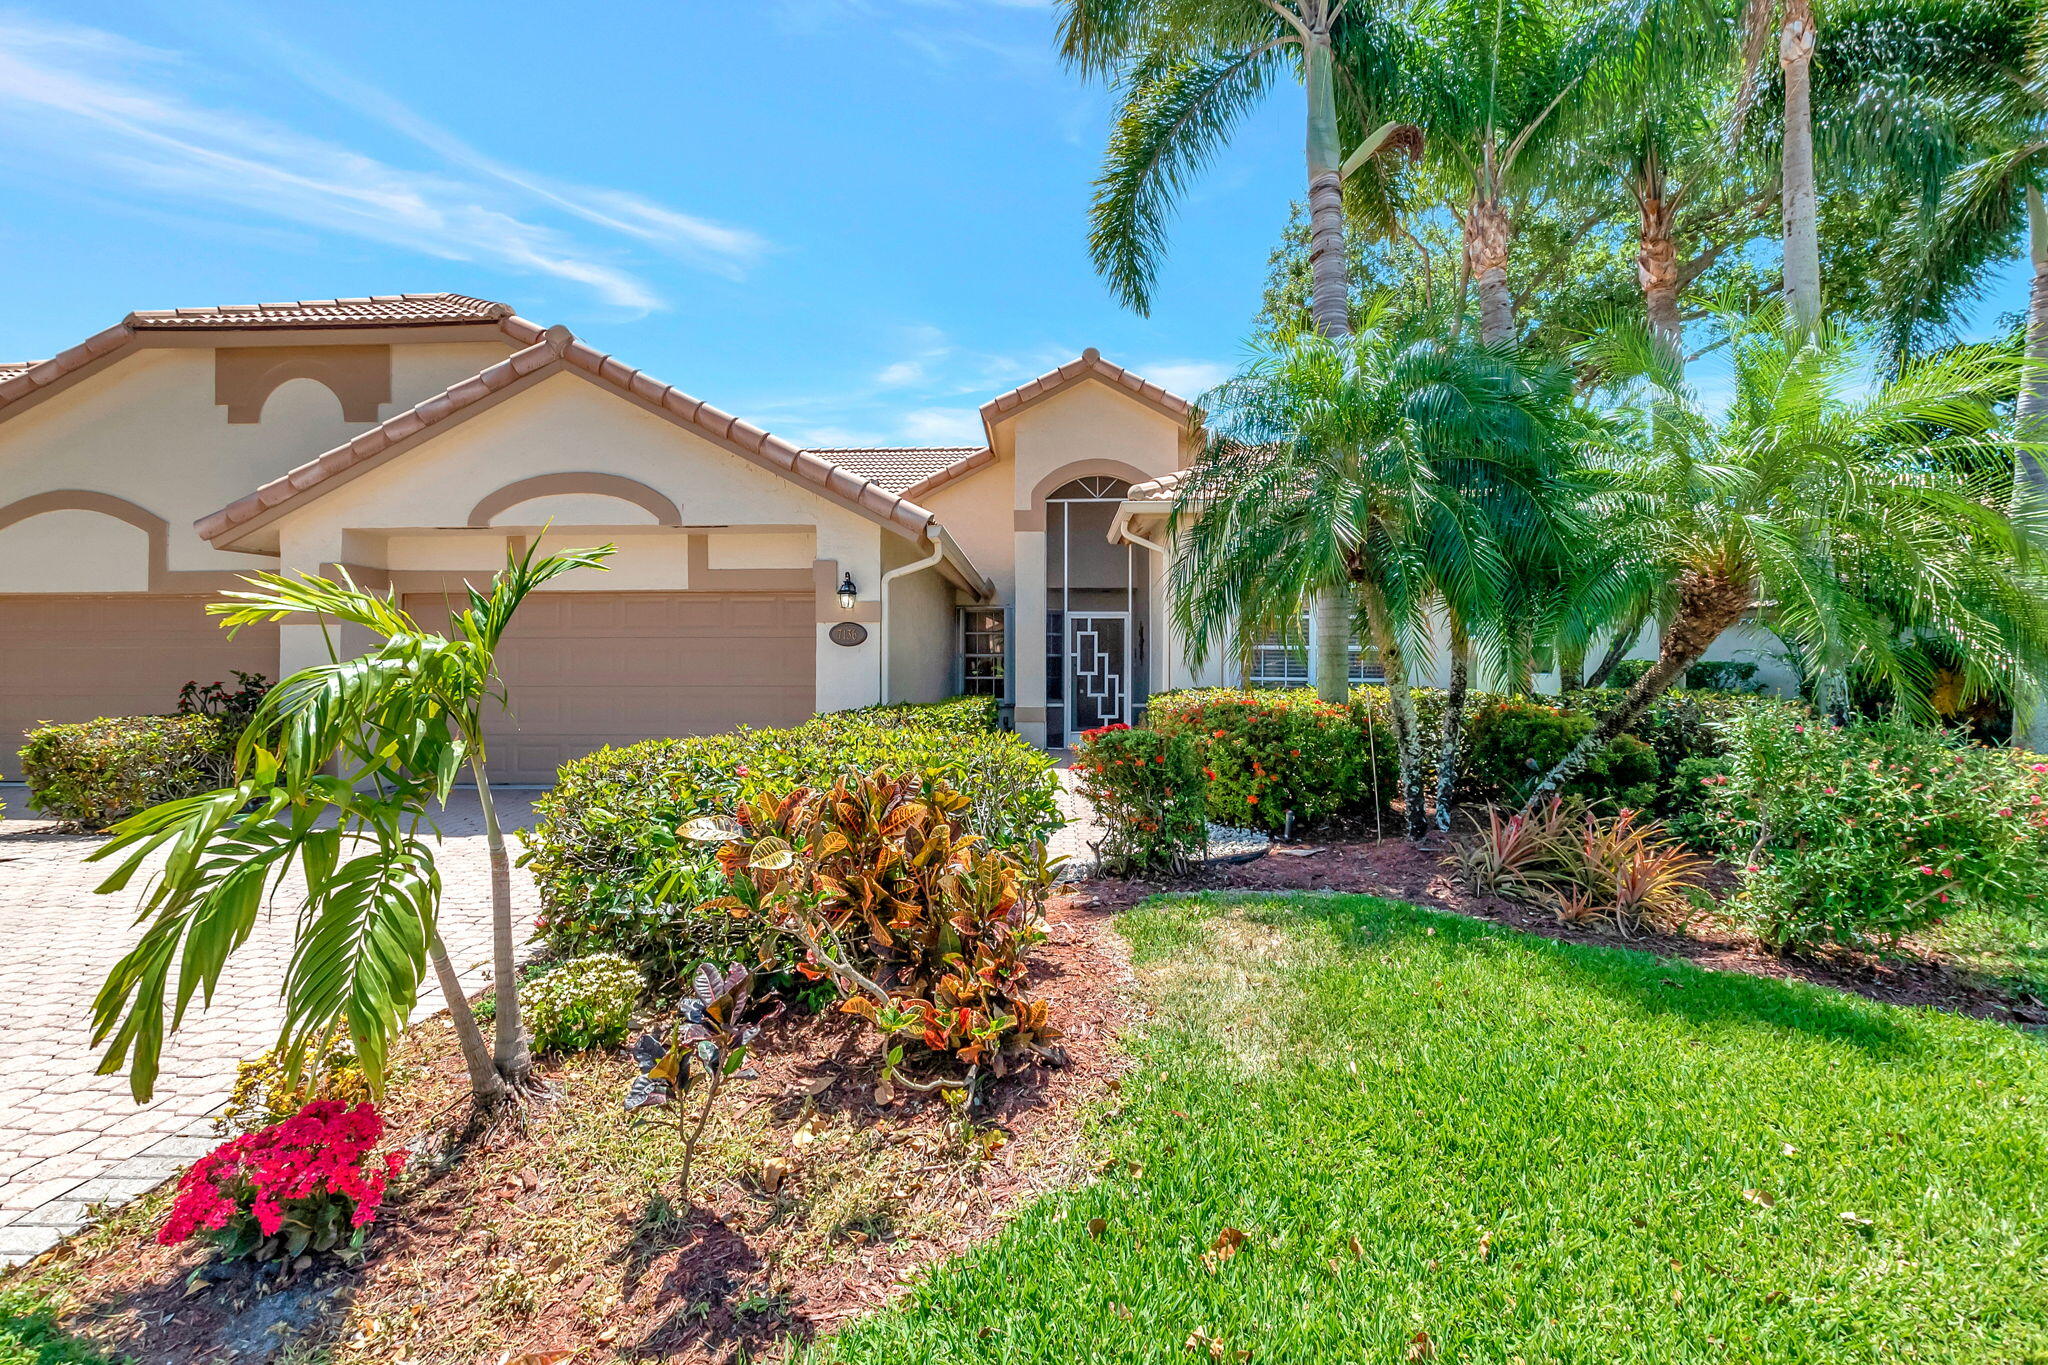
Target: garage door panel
[584, 670]
[72, 658]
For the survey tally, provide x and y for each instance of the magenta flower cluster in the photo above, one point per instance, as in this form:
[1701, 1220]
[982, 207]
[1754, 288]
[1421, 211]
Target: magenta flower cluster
[322, 1153]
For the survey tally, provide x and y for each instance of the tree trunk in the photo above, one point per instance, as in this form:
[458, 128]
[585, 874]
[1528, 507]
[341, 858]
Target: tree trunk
[1334, 607]
[1617, 650]
[1657, 264]
[1452, 744]
[1486, 262]
[1571, 668]
[1330, 306]
[2030, 470]
[1799, 205]
[485, 1084]
[509, 1050]
[1708, 605]
[1400, 709]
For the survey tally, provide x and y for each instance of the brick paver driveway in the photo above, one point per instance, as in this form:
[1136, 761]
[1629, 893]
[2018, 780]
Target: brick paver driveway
[70, 1139]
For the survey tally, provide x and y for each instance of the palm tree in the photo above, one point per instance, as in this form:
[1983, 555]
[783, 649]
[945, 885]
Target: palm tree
[1189, 70]
[1848, 525]
[1791, 23]
[1486, 79]
[400, 724]
[1370, 466]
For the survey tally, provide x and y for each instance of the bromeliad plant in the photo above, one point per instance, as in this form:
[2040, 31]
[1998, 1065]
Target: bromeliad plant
[335, 774]
[1619, 870]
[714, 1035]
[922, 929]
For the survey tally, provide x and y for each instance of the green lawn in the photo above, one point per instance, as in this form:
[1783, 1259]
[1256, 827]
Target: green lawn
[2007, 946]
[1543, 1152]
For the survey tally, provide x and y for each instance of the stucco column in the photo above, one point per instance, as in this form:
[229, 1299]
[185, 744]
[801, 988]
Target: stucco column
[1029, 627]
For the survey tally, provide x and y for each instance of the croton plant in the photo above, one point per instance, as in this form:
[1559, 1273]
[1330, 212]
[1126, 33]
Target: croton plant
[922, 928]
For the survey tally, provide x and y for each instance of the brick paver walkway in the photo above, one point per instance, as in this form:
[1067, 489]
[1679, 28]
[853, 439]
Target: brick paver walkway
[70, 1139]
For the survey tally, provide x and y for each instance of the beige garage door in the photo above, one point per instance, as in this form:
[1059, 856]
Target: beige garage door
[74, 658]
[587, 669]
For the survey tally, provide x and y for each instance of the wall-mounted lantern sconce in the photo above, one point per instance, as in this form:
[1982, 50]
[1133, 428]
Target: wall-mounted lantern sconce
[849, 595]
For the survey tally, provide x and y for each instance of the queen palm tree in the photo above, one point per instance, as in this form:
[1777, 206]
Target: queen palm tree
[1848, 524]
[398, 725]
[1189, 70]
[1376, 465]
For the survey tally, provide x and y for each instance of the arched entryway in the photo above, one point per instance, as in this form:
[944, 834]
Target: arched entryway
[1096, 609]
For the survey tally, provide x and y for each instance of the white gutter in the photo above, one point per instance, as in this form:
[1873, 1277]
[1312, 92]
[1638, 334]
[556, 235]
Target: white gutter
[937, 538]
[1122, 530]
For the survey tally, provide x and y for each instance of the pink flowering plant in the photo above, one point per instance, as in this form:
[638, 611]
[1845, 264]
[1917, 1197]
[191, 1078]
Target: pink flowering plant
[310, 1184]
[1859, 836]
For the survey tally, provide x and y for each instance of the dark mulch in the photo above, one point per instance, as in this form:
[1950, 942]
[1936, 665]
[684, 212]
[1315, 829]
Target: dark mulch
[736, 1277]
[1402, 870]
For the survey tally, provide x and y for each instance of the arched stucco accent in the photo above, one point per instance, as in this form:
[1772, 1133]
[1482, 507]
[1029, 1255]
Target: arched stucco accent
[162, 578]
[1031, 517]
[650, 500]
[359, 377]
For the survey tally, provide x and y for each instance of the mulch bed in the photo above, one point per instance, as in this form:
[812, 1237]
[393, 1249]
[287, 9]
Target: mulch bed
[713, 1286]
[1398, 869]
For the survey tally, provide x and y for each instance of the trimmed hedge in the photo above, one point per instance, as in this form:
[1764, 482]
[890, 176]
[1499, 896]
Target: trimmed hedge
[1510, 745]
[1146, 787]
[96, 772]
[615, 877]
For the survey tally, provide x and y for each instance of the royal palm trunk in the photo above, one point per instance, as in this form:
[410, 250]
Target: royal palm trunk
[484, 1081]
[509, 1049]
[1800, 205]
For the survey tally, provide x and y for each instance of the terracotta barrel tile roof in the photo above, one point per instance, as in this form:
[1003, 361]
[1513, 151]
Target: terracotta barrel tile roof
[558, 346]
[1089, 364]
[387, 310]
[896, 468]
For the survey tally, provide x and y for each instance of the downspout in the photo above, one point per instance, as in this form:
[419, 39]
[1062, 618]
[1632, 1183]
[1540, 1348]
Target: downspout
[1123, 529]
[882, 627]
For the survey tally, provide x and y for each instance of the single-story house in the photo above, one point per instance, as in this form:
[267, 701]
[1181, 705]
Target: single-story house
[411, 439]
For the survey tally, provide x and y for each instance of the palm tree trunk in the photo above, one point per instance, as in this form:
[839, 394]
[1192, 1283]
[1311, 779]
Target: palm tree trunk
[1334, 606]
[1486, 258]
[1708, 606]
[1452, 744]
[1617, 649]
[485, 1084]
[1571, 668]
[509, 1050]
[1330, 306]
[2033, 411]
[1400, 707]
[1657, 262]
[1800, 205]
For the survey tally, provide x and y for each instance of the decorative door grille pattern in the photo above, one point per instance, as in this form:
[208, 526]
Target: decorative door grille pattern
[1101, 653]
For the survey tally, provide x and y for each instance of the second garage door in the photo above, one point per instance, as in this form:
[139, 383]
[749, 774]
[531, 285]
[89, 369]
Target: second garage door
[65, 658]
[587, 669]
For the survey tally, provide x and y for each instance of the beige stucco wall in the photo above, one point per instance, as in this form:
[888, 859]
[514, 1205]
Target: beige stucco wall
[920, 621]
[147, 430]
[568, 424]
[70, 552]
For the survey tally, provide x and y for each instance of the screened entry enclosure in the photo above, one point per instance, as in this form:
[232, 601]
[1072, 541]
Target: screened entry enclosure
[1096, 608]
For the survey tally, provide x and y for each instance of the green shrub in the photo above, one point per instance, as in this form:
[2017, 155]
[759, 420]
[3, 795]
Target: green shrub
[1147, 790]
[614, 875]
[1723, 675]
[978, 715]
[1269, 754]
[1859, 835]
[96, 772]
[1510, 745]
[584, 1003]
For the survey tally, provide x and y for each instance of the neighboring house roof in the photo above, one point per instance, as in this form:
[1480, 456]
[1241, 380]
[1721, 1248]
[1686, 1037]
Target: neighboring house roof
[558, 351]
[27, 380]
[897, 468]
[379, 310]
[1090, 365]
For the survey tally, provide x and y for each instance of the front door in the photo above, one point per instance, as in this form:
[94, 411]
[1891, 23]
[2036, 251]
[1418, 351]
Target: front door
[1098, 669]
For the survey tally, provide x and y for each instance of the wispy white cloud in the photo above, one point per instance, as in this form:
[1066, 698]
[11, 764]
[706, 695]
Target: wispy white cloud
[98, 108]
[1188, 378]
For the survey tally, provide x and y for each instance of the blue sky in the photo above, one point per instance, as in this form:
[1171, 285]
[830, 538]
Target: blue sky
[845, 220]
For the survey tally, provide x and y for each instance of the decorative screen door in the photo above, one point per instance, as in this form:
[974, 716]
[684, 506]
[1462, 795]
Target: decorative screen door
[1098, 669]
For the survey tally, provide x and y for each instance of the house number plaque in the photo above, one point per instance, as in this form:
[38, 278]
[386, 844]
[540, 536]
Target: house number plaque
[848, 633]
